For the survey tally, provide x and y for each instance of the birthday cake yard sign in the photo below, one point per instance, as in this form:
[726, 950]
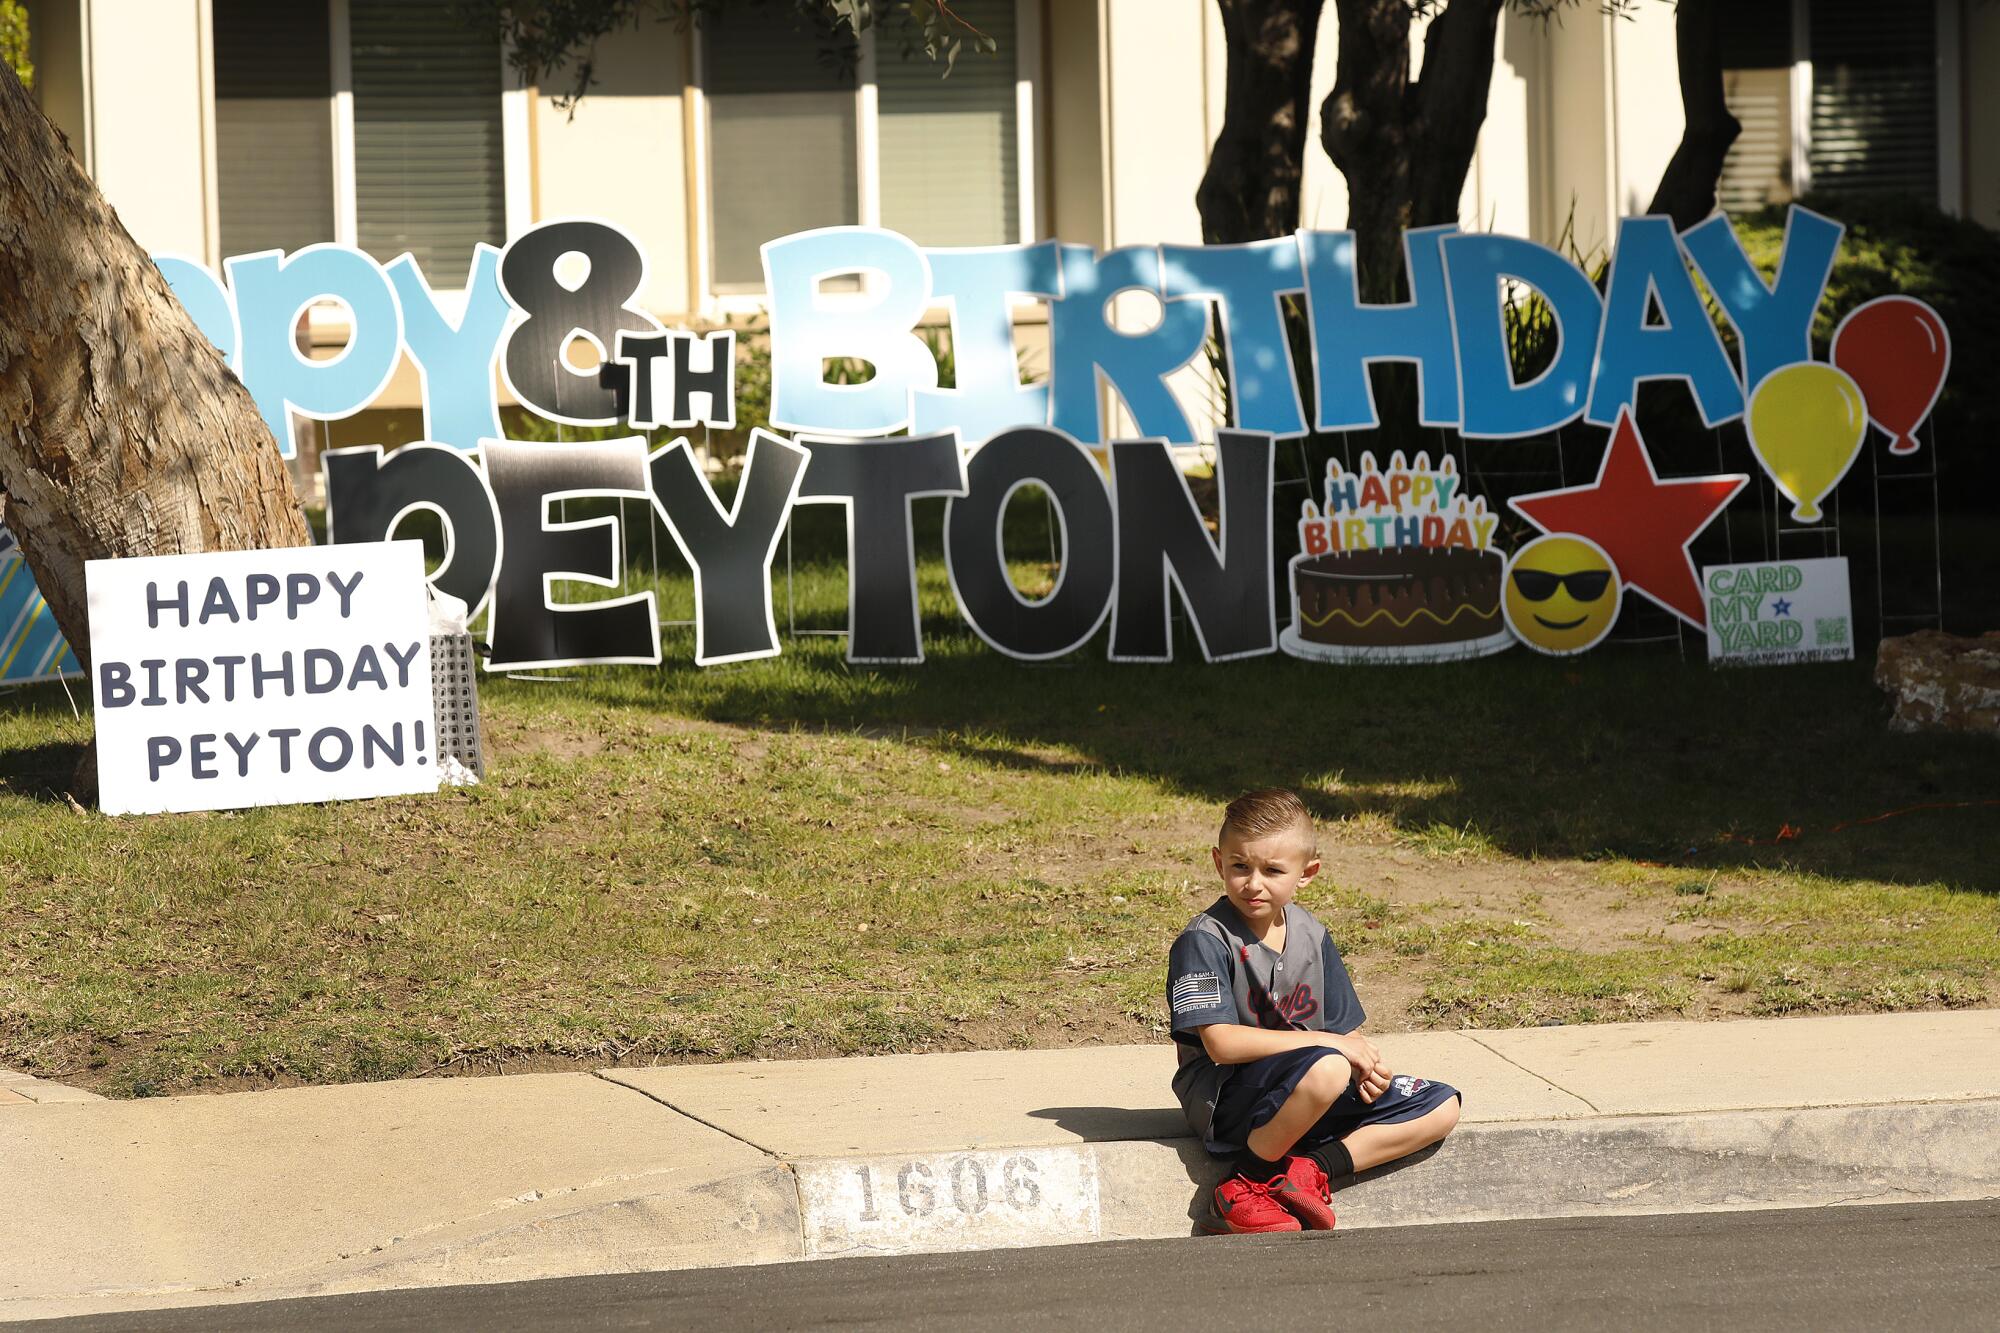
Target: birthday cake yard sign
[1137, 547]
[1399, 565]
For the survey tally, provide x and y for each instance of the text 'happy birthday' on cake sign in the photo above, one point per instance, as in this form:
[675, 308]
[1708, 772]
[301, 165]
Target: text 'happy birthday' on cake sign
[1397, 565]
[1407, 505]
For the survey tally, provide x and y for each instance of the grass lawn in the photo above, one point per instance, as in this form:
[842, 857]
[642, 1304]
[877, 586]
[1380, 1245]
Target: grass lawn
[796, 857]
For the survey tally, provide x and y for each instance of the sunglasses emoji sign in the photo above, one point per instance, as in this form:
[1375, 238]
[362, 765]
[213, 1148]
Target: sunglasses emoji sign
[1561, 595]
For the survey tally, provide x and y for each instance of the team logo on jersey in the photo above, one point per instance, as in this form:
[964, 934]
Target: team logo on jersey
[1196, 990]
[1289, 1010]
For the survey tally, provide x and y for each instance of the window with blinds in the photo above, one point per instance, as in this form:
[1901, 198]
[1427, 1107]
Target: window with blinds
[782, 153]
[950, 169]
[785, 141]
[1874, 97]
[1758, 170]
[273, 125]
[429, 158]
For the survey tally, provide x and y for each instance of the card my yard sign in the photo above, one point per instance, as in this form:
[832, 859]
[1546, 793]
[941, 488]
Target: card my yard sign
[1779, 612]
[261, 677]
[1135, 544]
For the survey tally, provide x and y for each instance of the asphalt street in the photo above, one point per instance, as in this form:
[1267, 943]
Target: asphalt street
[1934, 1267]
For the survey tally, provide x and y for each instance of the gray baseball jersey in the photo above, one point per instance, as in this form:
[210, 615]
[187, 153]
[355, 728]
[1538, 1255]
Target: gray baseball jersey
[1218, 972]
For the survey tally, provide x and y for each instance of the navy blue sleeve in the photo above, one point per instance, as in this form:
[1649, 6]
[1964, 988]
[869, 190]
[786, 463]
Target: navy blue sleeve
[1340, 1007]
[1199, 989]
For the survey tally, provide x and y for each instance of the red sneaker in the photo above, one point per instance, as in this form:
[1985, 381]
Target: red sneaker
[1304, 1191]
[1247, 1206]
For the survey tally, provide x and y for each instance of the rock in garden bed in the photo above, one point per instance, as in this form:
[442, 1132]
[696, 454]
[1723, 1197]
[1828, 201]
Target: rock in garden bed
[1942, 682]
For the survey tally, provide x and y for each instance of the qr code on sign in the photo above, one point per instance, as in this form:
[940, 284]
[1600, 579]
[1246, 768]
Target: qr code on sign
[1830, 631]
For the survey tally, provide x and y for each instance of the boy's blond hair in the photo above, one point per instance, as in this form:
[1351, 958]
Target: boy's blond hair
[1259, 814]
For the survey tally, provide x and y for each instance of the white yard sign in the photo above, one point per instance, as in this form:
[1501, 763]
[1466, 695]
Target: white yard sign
[261, 677]
[1780, 611]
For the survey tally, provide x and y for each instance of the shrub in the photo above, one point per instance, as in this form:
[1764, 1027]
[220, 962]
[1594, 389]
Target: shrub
[14, 41]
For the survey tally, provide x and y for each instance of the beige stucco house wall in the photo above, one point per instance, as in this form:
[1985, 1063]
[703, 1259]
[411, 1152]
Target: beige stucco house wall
[621, 153]
[128, 82]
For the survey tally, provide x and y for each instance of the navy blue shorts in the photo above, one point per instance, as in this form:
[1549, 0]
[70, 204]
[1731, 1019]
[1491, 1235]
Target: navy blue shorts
[1255, 1091]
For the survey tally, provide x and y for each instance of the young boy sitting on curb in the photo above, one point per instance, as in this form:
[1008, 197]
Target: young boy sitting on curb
[1273, 1067]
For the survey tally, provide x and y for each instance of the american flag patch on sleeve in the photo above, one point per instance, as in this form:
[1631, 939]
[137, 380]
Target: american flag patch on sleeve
[1196, 990]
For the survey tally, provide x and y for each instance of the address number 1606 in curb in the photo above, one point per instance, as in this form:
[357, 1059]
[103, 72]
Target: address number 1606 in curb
[951, 1201]
[917, 1187]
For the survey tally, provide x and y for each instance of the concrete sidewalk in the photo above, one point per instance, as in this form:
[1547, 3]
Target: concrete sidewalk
[191, 1200]
[17, 1088]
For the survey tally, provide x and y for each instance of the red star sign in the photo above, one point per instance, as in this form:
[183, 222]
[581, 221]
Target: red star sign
[1644, 524]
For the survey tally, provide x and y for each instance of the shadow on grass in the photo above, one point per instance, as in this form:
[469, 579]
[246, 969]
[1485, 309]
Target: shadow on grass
[43, 772]
[1629, 752]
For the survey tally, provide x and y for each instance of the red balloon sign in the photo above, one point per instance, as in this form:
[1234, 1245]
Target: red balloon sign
[1897, 350]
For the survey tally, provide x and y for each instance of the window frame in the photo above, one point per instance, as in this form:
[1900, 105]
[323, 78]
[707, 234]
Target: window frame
[1028, 112]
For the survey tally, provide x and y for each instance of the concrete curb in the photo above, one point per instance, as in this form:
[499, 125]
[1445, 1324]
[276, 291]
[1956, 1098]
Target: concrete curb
[1706, 1162]
[994, 1198]
[121, 1205]
[750, 1217]
[837, 1207]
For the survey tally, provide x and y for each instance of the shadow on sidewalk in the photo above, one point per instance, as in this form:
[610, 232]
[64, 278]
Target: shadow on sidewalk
[1110, 1124]
[1119, 1124]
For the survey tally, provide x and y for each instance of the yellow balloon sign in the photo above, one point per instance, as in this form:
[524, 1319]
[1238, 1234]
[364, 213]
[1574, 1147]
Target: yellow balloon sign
[1806, 425]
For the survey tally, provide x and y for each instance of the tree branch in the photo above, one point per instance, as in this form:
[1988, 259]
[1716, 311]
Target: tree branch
[1687, 187]
[1363, 125]
[1449, 106]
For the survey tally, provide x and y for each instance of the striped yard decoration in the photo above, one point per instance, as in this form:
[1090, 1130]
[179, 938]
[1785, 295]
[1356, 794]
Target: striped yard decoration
[31, 647]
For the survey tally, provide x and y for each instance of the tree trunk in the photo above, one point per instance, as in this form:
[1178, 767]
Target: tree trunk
[122, 432]
[1687, 187]
[1251, 188]
[1403, 146]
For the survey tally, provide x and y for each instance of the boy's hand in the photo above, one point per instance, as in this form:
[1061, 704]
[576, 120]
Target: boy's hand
[1371, 1074]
